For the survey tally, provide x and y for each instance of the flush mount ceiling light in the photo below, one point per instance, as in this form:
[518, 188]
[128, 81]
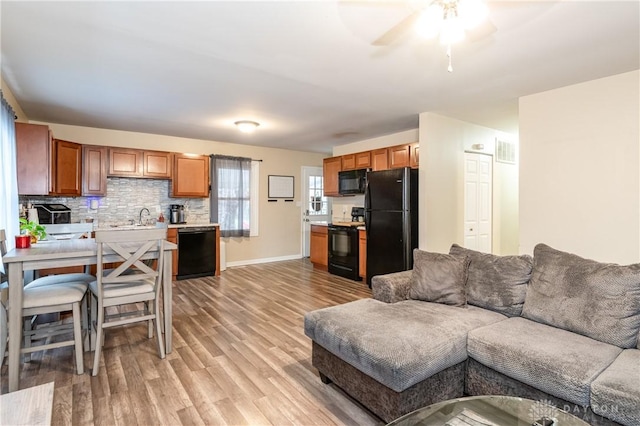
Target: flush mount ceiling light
[246, 126]
[450, 19]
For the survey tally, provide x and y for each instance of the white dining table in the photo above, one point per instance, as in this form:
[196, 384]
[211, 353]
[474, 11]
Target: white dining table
[61, 253]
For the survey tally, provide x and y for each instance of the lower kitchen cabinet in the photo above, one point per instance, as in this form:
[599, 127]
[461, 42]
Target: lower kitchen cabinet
[362, 253]
[319, 246]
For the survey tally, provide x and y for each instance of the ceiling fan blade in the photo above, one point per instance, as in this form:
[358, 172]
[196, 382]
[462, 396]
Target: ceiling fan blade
[398, 30]
[485, 29]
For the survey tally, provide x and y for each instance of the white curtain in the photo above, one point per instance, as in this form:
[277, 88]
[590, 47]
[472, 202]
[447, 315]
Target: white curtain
[8, 175]
[230, 202]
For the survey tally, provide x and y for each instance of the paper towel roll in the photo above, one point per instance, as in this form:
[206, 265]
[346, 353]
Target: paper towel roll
[33, 215]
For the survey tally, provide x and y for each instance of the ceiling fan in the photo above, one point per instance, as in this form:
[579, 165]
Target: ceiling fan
[450, 19]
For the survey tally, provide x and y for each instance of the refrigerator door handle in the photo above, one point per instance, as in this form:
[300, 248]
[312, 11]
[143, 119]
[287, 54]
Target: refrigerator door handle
[367, 195]
[367, 221]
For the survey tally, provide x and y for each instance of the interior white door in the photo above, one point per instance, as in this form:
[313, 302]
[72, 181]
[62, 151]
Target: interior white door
[478, 201]
[315, 206]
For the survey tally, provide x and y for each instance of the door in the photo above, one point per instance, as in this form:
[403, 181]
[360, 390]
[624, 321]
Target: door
[478, 200]
[386, 242]
[315, 206]
[385, 190]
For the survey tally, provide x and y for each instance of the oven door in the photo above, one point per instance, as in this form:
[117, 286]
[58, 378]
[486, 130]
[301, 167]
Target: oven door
[343, 252]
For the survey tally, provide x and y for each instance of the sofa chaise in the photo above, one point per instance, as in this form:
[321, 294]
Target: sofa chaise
[556, 328]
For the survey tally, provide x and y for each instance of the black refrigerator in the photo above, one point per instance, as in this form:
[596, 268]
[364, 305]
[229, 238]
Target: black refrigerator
[391, 219]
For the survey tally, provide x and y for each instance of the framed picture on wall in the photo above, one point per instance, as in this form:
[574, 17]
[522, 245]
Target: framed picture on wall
[280, 186]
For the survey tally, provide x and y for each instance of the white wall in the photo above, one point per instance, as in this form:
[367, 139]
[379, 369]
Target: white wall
[443, 142]
[580, 169]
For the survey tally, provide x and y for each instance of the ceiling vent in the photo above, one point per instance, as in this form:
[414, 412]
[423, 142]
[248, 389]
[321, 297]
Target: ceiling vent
[505, 151]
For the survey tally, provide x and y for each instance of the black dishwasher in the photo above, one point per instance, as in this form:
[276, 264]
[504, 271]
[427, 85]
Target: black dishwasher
[196, 252]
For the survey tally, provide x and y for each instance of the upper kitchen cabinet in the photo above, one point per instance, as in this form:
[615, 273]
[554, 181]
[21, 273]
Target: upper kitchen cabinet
[46, 166]
[360, 160]
[400, 156]
[94, 170]
[34, 146]
[415, 155]
[126, 162]
[330, 168]
[190, 176]
[67, 166]
[157, 164]
[380, 159]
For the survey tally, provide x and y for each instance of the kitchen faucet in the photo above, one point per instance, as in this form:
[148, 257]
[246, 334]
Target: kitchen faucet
[140, 216]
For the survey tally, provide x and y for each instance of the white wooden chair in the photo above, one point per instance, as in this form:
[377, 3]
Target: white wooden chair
[4, 328]
[48, 295]
[134, 281]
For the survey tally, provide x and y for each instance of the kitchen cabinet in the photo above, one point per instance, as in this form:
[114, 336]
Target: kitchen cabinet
[94, 170]
[172, 237]
[33, 159]
[67, 168]
[360, 160]
[126, 162]
[415, 157]
[156, 164]
[330, 168]
[46, 166]
[380, 159]
[190, 176]
[319, 246]
[362, 253]
[400, 156]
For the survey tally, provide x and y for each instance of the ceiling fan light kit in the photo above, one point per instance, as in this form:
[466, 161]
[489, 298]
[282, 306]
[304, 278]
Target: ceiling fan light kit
[450, 19]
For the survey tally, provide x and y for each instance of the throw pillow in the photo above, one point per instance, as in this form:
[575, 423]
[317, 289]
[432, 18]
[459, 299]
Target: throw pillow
[495, 282]
[438, 278]
[598, 300]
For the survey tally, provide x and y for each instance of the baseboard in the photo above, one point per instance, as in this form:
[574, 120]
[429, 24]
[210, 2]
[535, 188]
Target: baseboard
[263, 260]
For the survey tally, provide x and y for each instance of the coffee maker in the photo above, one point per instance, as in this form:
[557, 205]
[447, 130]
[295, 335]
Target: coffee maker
[357, 214]
[176, 213]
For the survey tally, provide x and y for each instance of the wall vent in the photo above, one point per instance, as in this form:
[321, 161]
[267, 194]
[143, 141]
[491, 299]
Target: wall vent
[505, 151]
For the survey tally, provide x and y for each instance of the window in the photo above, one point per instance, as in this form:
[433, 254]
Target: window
[318, 203]
[234, 195]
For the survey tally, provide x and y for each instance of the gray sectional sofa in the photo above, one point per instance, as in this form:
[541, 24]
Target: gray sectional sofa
[555, 328]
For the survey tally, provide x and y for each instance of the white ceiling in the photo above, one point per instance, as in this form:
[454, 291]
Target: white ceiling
[307, 71]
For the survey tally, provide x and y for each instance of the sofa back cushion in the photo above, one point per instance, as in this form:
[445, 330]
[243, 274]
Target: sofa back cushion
[598, 300]
[495, 282]
[438, 278]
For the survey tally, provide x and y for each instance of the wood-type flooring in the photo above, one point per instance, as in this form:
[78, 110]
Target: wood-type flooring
[240, 357]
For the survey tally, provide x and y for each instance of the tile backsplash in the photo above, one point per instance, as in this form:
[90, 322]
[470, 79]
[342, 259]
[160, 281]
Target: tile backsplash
[125, 198]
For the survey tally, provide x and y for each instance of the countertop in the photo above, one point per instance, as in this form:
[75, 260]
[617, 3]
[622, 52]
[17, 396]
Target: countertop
[358, 225]
[113, 226]
[191, 225]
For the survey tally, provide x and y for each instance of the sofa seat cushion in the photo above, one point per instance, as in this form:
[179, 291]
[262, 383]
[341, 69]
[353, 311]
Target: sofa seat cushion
[615, 393]
[398, 344]
[550, 359]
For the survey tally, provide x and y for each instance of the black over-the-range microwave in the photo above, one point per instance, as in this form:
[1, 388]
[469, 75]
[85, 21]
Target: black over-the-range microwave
[352, 181]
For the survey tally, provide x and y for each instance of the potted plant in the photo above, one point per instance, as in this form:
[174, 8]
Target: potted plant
[36, 231]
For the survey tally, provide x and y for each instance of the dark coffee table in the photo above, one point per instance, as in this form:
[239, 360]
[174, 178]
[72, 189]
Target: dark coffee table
[490, 411]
